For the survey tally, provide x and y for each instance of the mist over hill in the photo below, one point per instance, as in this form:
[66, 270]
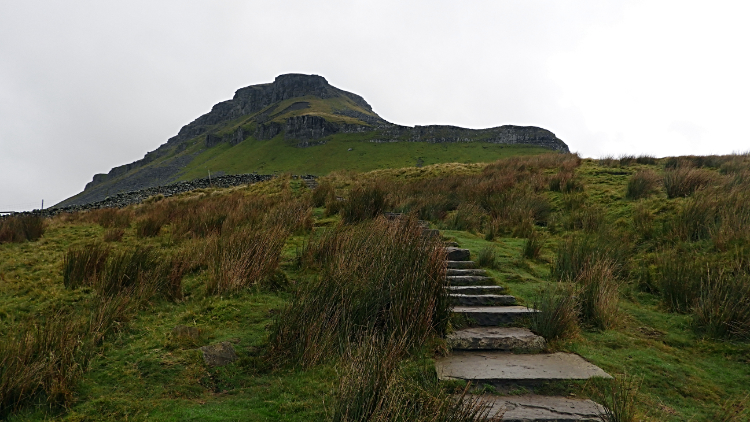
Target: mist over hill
[302, 124]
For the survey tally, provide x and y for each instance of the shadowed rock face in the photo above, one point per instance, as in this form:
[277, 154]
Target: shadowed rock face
[260, 103]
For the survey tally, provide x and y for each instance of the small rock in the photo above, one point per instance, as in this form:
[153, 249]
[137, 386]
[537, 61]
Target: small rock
[219, 354]
[350, 149]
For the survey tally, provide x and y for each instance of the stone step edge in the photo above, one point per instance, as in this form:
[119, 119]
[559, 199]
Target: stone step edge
[516, 339]
[537, 408]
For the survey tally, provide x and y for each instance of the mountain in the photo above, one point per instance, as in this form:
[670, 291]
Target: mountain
[301, 123]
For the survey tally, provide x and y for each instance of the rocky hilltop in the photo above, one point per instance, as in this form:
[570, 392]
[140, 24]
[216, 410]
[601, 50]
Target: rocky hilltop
[303, 111]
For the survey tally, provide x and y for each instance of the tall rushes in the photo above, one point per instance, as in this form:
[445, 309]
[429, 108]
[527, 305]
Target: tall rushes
[43, 360]
[378, 386]
[594, 263]
[243, 258]
[128, 271]
[378, 278]
[642, 184]
[22, 228]
[558, 312]
[722, 307]
[683, 181]
[365, 201]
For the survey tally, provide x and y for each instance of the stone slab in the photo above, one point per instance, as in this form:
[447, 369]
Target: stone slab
[476, 290]
[482, 300]
[460, 264]
[503, 368]
[457, 254]
[496, 338]
[535, 408]
[465, 271]
[468, 280]
[492, 316]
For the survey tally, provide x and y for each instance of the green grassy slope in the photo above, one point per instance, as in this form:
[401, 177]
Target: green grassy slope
[277, 155]
[140, 373]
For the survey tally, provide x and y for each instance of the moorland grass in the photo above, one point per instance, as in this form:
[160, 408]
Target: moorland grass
[698, 350]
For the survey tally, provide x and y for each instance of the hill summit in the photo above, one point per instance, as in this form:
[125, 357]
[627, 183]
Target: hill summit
[299, 123]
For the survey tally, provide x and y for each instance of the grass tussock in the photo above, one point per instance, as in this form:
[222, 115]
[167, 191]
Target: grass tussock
[642, 184]
[83, 263]
[532, 247]
[243, 258]
[487, 257]
[722, 308]
[683, 181]
[558, 312]
[378, 279]
[113, 235]
[377, 385]
[42, 361]
[111, 217]
[21, 229]
[148, 227]
[129, 271]
[595, 263]
[365, 201]
[618, 397]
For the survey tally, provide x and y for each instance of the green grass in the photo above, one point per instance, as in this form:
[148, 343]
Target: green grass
[141, 373]
[277, 155]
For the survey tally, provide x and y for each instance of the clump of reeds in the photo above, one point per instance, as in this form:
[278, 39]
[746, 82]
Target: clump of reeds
[378, 278]
[111, 217]
[645, 159]
[83, 263]
[683, 181]
[532, 247]
[617, 396]
[468, 217]
[598, 295]
[565, 182]
[643, 221]
[113, 235]
[642, 184]
[722, 307]
[323, 193]
[679, 277]
[42, 361]
[558, 312]
[487, 257]
[21, 228]
[377, 385]
[365, 201]
[148, 227]
[243, 258]
[128, 271]
[595, 264]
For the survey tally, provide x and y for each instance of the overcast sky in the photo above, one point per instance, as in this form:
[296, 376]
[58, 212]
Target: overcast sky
[89, 85]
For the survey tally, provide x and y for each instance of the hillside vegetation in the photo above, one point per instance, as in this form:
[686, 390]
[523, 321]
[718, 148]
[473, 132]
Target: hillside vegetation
[638, 264]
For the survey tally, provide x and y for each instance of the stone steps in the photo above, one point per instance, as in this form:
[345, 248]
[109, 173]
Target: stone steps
[469, 280]
[460, 264]
[481, 300]
[465, 271]
[493, 316]
[537, 408]
[504, 369]
[476, 290]
[457, 254]
[487, 353]
[519, 340]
